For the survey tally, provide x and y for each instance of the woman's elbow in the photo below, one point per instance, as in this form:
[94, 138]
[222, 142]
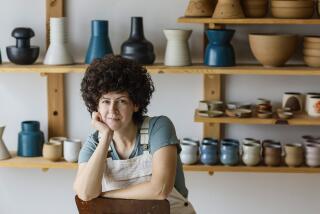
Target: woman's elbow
[86, 197]
[164, 192]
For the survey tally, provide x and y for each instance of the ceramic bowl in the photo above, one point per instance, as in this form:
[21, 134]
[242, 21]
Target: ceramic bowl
[255, 11]
[292, 4]
[285, 115]
[264, 115]
[243, 113]
[312, 61]
[292, 13]
[266, 48]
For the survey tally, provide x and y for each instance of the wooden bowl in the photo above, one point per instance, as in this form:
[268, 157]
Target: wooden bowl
[312, 61]
[292, 4]
[311, 45]
[311, 52]
[272, 50]
[292, 13]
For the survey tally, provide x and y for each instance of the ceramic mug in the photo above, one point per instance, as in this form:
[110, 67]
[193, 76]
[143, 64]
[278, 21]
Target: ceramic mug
[308, 96]
[209, 151]
[312, 154]
[71, 149]
[229, 153]
[314, 106]
[294, 154]
[293, 100]
[52, 151]
[251, 154]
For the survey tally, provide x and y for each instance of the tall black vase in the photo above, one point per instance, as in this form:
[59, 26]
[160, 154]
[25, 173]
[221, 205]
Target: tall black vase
[137, 47]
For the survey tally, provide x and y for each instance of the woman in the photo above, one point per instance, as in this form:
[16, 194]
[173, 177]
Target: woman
[130, 156]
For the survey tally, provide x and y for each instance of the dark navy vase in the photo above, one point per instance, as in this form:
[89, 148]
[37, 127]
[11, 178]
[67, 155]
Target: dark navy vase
[30, 139]
[209, 151]
[137, 48]
[229, 154]
[219, 51]
[99, 45]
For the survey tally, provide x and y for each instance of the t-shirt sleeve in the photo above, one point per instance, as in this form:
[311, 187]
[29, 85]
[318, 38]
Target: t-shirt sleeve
[88, 148]
[163, 134]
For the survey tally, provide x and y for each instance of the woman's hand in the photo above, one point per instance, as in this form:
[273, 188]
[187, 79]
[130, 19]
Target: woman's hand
[99, 125]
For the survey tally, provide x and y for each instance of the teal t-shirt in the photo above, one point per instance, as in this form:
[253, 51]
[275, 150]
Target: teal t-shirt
[161, 133]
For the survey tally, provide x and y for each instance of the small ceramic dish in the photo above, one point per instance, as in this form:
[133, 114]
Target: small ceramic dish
[286, 109]
[231, 112]
[243, 113]
[263, 115]
[210, 113]
[285, 115]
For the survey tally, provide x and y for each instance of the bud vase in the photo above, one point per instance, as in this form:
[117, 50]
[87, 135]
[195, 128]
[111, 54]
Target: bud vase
[4, 153]
[99, 45]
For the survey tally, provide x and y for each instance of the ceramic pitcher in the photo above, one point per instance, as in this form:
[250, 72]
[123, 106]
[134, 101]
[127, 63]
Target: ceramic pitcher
[4, 153]
[177, 50]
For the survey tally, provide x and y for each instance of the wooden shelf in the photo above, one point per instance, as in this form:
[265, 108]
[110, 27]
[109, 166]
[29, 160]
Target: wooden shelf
[35, 162]
[250, 21]
[197, 68]
[299, 119]
[252, 169]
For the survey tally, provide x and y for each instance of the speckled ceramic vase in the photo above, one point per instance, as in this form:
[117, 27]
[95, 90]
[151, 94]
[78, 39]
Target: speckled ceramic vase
[4, 153]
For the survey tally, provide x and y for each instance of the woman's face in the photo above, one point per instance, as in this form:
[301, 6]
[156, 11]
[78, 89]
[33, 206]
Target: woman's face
[116, 109]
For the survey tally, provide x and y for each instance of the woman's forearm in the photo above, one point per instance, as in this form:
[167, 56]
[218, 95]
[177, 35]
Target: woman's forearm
[88, 181]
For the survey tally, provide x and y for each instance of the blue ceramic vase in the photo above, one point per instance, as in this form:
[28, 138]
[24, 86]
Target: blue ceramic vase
[30, 139]
[229, 154]
[137, 48]
[209, 151]
[219, 51]
[99, 45]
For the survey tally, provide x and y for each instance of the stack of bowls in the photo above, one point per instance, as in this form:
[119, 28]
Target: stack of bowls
[298, 9]
[255, 8]
[311, 51]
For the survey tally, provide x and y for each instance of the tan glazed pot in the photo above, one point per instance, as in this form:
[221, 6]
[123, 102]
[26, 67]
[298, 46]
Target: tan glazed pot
[200, 8]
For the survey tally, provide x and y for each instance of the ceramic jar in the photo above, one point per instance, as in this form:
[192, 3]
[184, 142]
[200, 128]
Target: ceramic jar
[307, 100]
[189, 151]
[30, 139]
[137, 48]
[209, 151]
[4, 153]
[219, 52]
[294, 154]
[199, 8]
[22, 53]
[312, 154]
[58, 53]
[52, 151]
[314, 106]
[99, 44]
[71, 150]
[177, 50]
[293, 100]
[272, 153]
[251, 154]
[229, 152]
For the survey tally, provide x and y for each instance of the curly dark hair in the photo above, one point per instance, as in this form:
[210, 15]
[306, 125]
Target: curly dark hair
[116, 74]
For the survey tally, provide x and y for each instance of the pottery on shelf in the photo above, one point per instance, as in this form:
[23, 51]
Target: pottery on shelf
[99, 45]
[58, 53]
[137, 48]
[71, 150]
[177, 49]
[219, 52]
[293, 100]
[228, 9]
[4, 153]
[30, 139]
[200, 8]
[22, 53]
[299, 9]
[255, 8]
[52, 151]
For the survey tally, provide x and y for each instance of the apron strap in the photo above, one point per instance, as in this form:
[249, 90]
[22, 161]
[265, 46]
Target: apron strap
[144, 134]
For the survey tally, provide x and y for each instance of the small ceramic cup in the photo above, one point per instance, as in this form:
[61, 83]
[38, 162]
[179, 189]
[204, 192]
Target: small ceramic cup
[52, 151]
[293, 100]
[58, 139]
[312, 154]
[209, 151]
[314, 106]
[294, 154]
[251, 153]
[308, 96]
[71, 149]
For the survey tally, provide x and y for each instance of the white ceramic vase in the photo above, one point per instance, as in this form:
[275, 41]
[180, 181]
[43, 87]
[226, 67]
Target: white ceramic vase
[4, 153]
[57, 53]
[177, 50]
[71, 150]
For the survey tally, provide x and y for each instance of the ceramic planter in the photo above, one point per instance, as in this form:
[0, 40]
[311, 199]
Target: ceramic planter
[22, 53]
[4, 153]
[177, 49]
[30, 139]
[137, 48]
[99, 44]
[219, 52]
[71, 150]
[58, 53]
[199, 8]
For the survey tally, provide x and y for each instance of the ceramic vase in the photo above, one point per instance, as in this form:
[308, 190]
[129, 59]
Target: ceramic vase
[293, 100]
[294, 154]
[251, 153]
[226, 9]
[314, 106]
[71, 150]
[30, 139]
[229, 153]
[200, 8]
[58, 53]
[4, 153]
[272, 152]
[177, 50]
[22, 53]
[209, 151]
[99, 44]
[137, 48]
[219, 52]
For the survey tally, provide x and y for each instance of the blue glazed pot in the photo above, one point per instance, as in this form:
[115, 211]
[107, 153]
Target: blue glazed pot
[209, 152]
[219, 51]
[229, 154]
[30, 139]
[99, 45]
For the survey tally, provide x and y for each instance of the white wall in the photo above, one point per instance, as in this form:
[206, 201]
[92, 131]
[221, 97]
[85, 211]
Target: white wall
[23, 96]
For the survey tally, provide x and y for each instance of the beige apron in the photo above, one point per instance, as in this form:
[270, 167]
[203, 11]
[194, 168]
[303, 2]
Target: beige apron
[123, 173]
